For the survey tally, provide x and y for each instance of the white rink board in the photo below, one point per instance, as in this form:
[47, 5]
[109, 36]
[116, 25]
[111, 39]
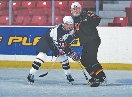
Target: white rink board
[116, 47]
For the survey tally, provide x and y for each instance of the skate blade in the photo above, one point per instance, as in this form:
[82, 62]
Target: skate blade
[71, 83]
[104, 83]
[31, 83]
[93, 84]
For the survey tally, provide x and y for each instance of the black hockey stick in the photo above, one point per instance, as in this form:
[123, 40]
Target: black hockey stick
[83, 70]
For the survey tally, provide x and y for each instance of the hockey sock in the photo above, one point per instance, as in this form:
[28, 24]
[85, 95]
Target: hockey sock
[66, 68]
[67, 72]
[65, 64]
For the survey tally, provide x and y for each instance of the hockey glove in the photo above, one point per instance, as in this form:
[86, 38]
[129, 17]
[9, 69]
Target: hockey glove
[85, 16]
[74, 56]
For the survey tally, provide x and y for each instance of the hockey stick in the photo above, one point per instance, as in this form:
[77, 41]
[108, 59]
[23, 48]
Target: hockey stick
[82, 70]
[42, 75]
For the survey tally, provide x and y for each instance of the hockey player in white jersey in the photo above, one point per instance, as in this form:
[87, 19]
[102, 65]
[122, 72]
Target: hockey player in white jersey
[55, 39]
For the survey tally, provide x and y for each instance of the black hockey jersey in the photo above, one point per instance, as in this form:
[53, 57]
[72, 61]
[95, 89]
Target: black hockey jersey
[87, 29]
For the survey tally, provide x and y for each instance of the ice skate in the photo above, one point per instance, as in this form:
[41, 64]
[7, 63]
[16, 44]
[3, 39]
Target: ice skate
[103, 81]
[95, 82]
[30, 78]
[70, 79]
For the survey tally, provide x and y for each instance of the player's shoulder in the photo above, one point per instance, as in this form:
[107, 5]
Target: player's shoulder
[86, 12]
[53, 28]
[56, 28]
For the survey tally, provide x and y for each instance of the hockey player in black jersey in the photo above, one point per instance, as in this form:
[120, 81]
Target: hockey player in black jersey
[89, 38]
[55, 39]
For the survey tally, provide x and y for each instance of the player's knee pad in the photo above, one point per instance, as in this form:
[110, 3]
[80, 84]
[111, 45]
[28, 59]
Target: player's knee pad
[41, 57]
[88, 60]
[96, 67]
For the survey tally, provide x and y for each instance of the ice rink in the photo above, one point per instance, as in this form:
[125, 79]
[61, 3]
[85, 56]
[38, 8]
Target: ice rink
[13, 83]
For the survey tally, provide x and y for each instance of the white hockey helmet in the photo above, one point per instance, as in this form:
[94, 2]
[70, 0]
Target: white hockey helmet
[76, 5]
[68, 23]
[68, 20]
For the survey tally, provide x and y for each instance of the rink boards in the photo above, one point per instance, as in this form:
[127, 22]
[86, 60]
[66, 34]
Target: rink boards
[18, 45]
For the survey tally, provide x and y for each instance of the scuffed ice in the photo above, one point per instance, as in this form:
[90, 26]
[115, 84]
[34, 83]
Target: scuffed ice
[13, 83]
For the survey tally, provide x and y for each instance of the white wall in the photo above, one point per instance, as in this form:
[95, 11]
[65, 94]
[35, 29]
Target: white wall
[116, 46]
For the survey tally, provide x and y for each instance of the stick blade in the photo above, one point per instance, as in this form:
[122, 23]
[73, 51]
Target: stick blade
[42, 75]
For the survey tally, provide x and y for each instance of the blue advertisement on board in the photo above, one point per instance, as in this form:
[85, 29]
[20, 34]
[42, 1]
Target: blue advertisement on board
[23, 40]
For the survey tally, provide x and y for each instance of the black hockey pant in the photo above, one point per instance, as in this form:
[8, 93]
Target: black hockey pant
[89, 58]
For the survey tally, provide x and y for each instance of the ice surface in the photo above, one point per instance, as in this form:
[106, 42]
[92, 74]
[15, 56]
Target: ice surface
[13, 83]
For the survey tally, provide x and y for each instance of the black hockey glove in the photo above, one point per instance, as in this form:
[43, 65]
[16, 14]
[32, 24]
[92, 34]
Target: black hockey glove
[74, 56]
[70, 39]
[85, 16]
